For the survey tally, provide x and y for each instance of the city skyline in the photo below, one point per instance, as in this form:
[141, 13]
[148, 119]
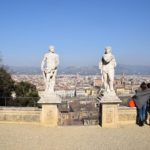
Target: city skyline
[80, 30]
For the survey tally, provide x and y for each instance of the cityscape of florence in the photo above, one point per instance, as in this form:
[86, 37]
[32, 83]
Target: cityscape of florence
[74, 75]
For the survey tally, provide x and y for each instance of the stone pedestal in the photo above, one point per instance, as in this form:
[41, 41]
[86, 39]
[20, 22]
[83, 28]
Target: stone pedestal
[50, 113]
[109, 110]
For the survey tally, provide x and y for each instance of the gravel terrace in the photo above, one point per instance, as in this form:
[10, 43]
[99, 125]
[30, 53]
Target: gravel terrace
[36, 137]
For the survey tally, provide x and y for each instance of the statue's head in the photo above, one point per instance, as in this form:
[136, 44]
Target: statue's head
[51, 48]
[108, 49]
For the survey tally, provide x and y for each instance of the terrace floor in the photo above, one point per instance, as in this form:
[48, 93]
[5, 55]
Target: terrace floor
[36, 137]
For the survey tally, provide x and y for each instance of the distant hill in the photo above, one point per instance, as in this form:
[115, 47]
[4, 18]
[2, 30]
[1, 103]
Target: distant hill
[87, 70]
[24, 70]
[133, 69]
[94, 70]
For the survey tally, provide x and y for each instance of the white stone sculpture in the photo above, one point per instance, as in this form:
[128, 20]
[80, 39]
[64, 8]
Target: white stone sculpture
[50, 100]
[49, 66]
[107, 65]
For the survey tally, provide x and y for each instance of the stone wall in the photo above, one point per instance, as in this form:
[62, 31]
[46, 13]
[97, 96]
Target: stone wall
[20, 114]
[126, 115]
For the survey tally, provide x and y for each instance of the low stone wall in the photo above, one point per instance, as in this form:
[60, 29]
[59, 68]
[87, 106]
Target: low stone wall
[126, 115]
[20, 114]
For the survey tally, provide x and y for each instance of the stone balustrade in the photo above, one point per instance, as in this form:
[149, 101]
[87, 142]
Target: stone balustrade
[20, 114]
[124, 115]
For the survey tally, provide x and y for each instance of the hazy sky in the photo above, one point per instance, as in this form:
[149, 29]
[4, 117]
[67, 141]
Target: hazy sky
[79, 29]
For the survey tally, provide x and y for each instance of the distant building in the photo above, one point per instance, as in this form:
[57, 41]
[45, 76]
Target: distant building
[65, 93]
[123, 90]
[80, 92]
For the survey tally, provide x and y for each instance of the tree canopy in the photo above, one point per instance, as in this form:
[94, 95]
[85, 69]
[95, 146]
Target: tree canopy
[26, 93]
[6, 83]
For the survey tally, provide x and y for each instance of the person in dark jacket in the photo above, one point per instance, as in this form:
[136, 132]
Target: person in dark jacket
[148, 107]
[142, 96]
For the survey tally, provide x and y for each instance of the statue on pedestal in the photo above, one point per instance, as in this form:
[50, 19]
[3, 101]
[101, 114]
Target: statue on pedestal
[108, 100]
[50, 100]
[49, 66]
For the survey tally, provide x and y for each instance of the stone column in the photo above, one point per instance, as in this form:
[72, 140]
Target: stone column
[50, 113]
[109, 110]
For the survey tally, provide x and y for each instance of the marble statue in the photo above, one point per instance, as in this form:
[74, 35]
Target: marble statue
[107, 65]
[49, 66]
[49, 100]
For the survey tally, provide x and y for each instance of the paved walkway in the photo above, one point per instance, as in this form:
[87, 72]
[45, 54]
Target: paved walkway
[35, 137]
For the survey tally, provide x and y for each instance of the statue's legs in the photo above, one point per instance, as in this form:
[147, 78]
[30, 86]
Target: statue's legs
[105, 81]
[50, 81]
[47, 82]
[44, 76]
[52, 84]
[111, 79]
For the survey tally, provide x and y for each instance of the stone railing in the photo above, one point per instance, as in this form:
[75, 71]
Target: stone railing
[113, 116]
[126, 115]
[20, 114]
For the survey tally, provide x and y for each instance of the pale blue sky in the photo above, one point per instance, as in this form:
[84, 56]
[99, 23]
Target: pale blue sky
[79, 29]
